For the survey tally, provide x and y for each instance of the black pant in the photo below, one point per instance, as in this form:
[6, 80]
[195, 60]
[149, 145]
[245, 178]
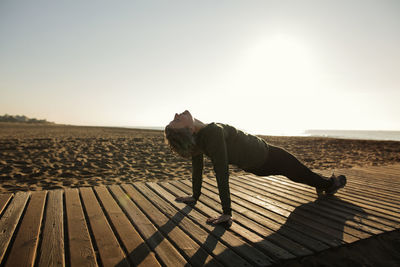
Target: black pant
[281, 162]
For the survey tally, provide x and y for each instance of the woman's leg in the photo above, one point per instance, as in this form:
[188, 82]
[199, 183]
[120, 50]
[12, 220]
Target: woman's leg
[281, 162]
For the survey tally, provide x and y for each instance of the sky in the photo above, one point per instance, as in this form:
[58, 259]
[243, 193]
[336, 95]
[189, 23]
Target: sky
[268, 67]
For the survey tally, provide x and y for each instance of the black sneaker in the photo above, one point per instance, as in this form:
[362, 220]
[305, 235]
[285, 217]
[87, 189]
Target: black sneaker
[338, 182]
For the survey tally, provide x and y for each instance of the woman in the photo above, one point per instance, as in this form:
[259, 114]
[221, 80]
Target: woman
[225, 145]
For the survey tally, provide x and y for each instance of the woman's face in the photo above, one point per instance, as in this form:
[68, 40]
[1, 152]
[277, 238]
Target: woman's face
[182, 120]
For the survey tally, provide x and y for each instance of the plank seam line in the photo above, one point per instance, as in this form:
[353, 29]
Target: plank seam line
[7, 205]
[14, 234]
[67, 252]
[90, 230]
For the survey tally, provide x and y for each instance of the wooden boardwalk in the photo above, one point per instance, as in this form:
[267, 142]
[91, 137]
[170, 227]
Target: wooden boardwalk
[141, 224]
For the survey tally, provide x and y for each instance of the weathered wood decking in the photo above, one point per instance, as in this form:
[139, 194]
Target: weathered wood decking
[141, 224]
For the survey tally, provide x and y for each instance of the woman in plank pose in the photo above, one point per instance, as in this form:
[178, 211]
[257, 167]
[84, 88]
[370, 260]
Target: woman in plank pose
[225, 145]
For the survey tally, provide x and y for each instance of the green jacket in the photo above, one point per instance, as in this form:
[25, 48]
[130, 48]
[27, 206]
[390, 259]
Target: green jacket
[225, 145]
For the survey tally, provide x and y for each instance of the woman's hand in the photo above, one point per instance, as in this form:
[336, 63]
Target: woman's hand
[187, 200]
[224, 218]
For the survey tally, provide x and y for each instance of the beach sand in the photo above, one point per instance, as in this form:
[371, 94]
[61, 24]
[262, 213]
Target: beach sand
[36, 157]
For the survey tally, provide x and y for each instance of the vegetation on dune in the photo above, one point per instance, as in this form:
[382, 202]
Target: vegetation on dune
[22, 119]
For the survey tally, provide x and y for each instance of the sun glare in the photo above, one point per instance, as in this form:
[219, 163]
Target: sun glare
[279, 65]
[278, 79]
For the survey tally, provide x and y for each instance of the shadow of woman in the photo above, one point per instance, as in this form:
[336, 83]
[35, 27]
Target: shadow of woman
[199, 258]
[311, 228]
[139, 254]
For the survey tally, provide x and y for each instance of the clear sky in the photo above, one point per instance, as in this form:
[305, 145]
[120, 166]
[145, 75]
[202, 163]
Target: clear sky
[263, 66]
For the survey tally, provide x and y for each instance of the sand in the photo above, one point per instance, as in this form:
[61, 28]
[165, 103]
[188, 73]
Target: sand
[36, 157]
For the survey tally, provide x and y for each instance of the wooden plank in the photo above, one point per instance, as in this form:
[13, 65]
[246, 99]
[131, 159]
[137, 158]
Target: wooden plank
[393, 168]
[139, 253]
[171, 223]
[385, 174]
[319, 230]
[110, 252]
[363, 200]
[52, 247]
[313, 225]
[179, 214]
[373, 180]
[4, 199]
[211, 203]
[230, 239]
[156, 241]
[363, 193]
[381, 212]
[195, 254]
[298, 232]
[382, 197]
[382, 175]
[302, 195]
[367, 206]
[320, 219]
[369, 183]
[10, 219]
[23, 251]
[81, 252]
[322, 206]
[368, 188]
[302, 191]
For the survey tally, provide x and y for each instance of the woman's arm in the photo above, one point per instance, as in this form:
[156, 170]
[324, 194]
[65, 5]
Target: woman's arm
[197, 179]
[197, 174]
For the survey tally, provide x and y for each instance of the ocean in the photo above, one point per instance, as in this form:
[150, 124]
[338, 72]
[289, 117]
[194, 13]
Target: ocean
[347, 134]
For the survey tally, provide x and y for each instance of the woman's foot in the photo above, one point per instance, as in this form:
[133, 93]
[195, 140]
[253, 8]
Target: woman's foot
[337, 183]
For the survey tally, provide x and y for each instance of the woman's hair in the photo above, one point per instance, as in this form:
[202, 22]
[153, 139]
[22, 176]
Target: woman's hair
[181, 141]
